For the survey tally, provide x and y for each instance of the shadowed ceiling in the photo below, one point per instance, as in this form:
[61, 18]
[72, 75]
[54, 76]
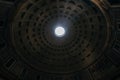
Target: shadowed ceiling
[30, 49]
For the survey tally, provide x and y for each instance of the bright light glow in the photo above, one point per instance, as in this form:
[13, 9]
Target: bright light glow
[59, 31]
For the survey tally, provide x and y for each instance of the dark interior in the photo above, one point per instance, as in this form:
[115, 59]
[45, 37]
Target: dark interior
[88, 50]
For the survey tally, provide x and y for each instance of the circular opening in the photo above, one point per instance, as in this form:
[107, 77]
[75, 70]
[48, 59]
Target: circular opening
[59, 31]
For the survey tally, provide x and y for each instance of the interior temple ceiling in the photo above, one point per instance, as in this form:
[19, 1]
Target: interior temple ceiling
[59, 40]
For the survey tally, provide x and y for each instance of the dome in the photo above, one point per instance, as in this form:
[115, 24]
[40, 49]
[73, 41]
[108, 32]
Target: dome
[60, 40]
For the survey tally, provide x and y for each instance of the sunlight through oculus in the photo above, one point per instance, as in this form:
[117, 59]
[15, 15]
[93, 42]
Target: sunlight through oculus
[59, 31]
